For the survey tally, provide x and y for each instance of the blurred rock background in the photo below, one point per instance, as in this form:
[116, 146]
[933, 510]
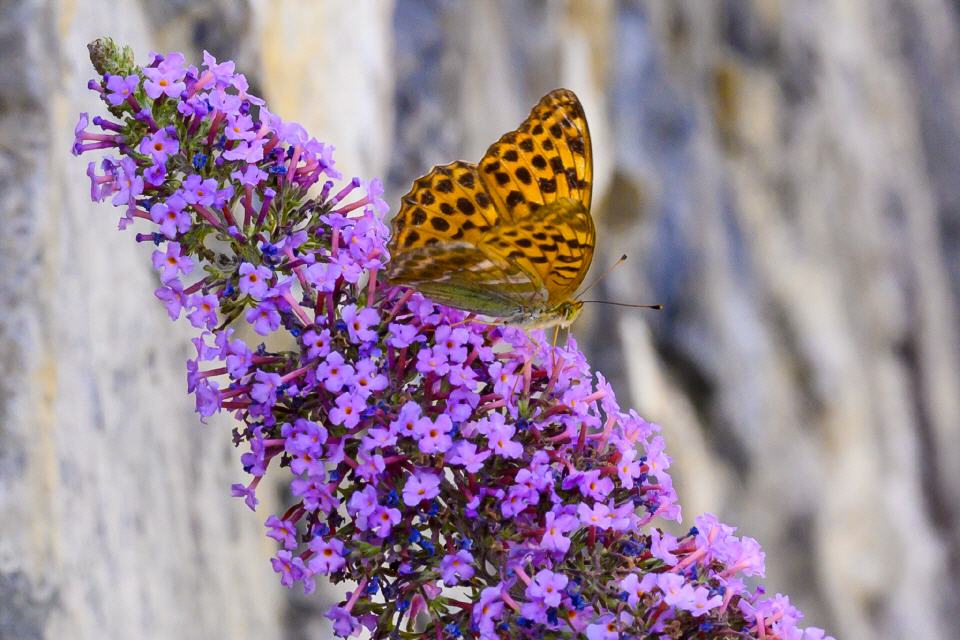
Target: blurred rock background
[783, 175]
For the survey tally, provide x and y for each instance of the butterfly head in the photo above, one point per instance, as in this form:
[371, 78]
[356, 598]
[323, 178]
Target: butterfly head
[567, 312]
[561, 315]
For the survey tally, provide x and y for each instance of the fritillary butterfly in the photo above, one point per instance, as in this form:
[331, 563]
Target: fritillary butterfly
[511, 238]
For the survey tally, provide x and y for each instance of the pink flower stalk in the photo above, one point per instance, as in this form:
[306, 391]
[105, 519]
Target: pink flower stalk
[423, 451]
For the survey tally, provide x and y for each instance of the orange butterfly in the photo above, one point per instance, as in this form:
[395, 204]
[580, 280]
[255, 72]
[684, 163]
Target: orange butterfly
[511, 238]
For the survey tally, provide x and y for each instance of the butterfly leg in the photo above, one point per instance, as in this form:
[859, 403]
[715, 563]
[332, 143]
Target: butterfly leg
[473, 318]
[470, 317]
[553, 351]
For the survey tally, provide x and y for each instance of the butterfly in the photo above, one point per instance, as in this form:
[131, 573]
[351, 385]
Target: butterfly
[511, 237]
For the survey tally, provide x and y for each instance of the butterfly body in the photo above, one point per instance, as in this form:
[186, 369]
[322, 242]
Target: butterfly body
[561, 315]
[511, 237]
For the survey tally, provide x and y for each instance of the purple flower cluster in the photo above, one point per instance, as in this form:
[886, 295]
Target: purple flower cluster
[472, 480]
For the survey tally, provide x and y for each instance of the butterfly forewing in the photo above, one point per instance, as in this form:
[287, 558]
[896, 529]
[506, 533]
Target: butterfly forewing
[513, 237]
[436, 246]
[448, 204]
[548, 157]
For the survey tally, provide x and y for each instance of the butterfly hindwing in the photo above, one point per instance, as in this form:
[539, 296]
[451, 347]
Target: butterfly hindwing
[462, 275]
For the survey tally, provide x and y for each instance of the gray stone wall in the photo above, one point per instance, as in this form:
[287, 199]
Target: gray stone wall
[782, 175]
[116, 518]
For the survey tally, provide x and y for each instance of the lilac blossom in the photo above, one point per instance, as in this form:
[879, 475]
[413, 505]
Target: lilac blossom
[548, 587]
[254, 280]
[703, 602]
[166, 79]
[171, 262]
[156, 175]
[635, 588]
[420, 487]
[334, 372]
[317, 343]
[245, 151]
[203, 312]
[283, 531]
[129, 183]
[360, 322]
[290, 568]
[368, 379]
[383, 519]
[265, 318]
[323, 275]
[119, 88]
[196, 190]
[457, 567]
[327, 555]
[467, 456]
[554, 529]
[433, 435]
[347, 409]
[676, 591]
[402, 336]
[501, 442]
[171, 295]
[171, 217]
[160, 145]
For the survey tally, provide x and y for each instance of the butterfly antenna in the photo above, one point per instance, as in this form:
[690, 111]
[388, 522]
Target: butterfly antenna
[470, 317]
[655, 307]
[603, 275]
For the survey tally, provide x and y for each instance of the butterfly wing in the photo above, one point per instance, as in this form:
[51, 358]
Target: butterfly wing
[461, 275]
[541, 178]
[436, 246]
[449, 203]
[546, 158]
[511, 236]
[553, 245]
